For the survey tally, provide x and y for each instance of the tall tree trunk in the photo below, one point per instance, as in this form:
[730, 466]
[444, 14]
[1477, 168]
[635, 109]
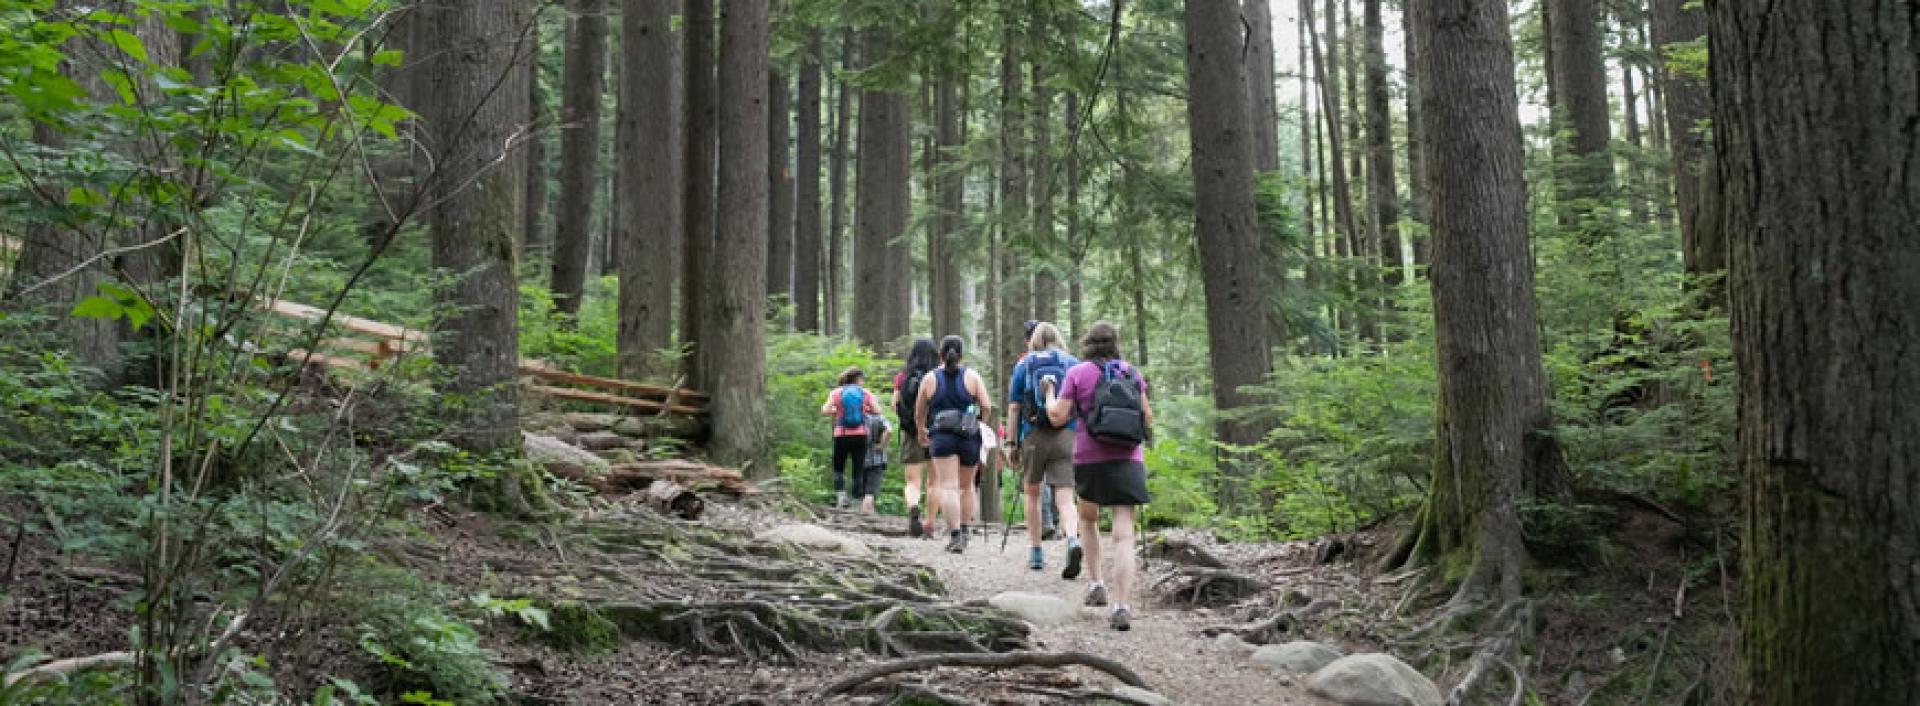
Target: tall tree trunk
[702, 115]
[1493, 437]
[881, 209]
[1686, 98]
[585, 81]
[60, 266]
[837, 199]
[952, 194]
[806, 231]
[534, 239]
[1328, 69]
[1416, 152]
[1382, 192]
[1630, 104]
[1046, 285]
[780, 188]
[1262, 95]
[472, 96]
[1227, 225]
[1137, 261]
[1076, 247]
[650, 231]
[1016, 296]
[1816, 161]
[1584, 179]
[736, 333]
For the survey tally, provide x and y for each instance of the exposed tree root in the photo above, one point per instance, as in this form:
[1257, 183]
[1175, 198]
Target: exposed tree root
[1183, 552]
[736, 597]
[1274, 629]
[1209, 587]
[1505, 640]
[986, 661]
[62, 667]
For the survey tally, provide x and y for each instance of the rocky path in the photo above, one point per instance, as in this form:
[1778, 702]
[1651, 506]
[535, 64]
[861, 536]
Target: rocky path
[1165, 645]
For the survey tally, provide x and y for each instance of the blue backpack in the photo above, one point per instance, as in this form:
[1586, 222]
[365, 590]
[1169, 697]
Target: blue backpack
[1040, 365]
[853, 408]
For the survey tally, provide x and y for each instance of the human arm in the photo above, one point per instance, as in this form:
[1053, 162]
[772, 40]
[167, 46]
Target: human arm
[831, 407]
[982, 396]
[1059, 402]
[920, 406]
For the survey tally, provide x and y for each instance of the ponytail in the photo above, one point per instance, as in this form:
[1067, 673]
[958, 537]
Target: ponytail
[951, 348]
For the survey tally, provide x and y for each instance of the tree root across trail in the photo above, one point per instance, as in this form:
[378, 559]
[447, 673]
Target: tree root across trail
[723, 593]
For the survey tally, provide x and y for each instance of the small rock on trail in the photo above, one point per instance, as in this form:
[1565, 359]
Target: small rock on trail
[1374, 680]
[1299, 657]
[815, 537]
[1035, 608]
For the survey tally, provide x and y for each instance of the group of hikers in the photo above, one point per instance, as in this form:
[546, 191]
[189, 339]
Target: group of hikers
[1075, 427]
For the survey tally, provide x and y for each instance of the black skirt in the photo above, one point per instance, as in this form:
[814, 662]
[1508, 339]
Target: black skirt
[1110, 483]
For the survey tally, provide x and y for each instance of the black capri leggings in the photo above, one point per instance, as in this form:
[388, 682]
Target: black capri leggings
[849, 452]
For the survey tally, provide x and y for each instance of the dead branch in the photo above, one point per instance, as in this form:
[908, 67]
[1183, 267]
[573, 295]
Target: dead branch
[63, 667]
[987, 661]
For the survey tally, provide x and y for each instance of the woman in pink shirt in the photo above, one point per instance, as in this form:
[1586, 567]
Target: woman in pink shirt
[1106, 473]
[849, 405]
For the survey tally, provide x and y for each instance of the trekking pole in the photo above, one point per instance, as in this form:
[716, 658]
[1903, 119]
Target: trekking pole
[1007, 517]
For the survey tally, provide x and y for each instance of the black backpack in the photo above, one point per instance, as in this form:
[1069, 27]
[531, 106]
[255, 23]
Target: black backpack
[1117, 416]
[906, 398]
[1041, 365]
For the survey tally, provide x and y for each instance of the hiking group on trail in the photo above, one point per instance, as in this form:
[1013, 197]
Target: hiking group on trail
[1074, 427]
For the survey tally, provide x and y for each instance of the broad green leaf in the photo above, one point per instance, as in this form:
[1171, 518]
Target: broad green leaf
[83, 196]
[127, 42]
[98, 307]
[387, 57]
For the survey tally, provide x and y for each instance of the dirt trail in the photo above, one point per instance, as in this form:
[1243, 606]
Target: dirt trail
[1165, 646]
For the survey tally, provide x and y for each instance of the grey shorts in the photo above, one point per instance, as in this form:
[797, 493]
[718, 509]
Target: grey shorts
[911, 452]
[1047, 456]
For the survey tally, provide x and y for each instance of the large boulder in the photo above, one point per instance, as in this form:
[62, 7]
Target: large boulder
[1299, 657]
[1035, 608]
[815, 537]
[1374, 680]
[561, 458]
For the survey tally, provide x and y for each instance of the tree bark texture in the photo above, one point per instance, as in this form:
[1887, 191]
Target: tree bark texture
[1076, 245]
[736, 332]
[472, 95]
[1416, 152]
[1226, 222]
[881, 209]
[808, 261]
[1493, 416]
[585, 81]
[1687, 100]
[780, 180]
[952, 179]
[1584, 179]
[1015, 293]
[650, 231]
[534, 237]
[1382, 191]
[837, 197]
[1045, 247]
[697, 214]
[1328, 69]
[1814, 106]
[1262, 94]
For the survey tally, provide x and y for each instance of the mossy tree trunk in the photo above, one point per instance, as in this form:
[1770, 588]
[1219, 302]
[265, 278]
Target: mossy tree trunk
[1492, 447]
[1814, 108]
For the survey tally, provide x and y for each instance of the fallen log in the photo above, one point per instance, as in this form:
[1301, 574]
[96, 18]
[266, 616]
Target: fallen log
[669, 498]
[602, 398]
[62, 667]
[654, 393]
[649, 426]
[1001, 660]
[696, 476]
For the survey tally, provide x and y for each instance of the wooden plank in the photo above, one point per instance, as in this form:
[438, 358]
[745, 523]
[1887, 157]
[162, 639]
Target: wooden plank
[400, 335]
[543, 372]
[572, 395]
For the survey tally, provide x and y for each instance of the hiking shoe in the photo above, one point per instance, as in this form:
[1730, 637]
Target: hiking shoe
[914, 529]
[1097, 596]
[956, 542]
[1049, 534]
[840, 501]
[1074, 553]
[1121, 619]
[1036, 559]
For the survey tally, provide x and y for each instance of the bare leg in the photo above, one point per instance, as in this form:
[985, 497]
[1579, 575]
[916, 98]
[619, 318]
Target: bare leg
[913, 483]
[1033, 514]
[1063, 507]
[1124, 561]
[946, 489]
[1090, 538]
[969, 500]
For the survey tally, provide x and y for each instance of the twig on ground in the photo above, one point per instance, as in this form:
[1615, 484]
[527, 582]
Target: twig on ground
[63, 667]
[987, 661]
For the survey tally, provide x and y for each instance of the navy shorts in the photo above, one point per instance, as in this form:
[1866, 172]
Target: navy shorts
[947, 444]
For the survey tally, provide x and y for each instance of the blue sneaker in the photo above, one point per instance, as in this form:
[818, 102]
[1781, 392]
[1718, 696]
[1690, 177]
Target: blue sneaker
[1036, 560]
